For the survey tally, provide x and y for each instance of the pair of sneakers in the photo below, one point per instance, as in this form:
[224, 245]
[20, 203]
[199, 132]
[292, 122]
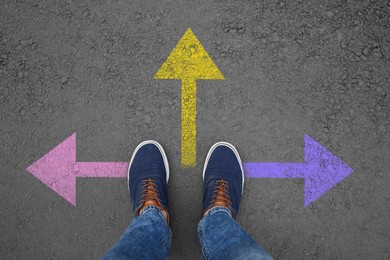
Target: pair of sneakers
[148, 176]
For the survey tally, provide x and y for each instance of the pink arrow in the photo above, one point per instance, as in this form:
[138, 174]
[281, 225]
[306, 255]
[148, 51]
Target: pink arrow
[59, 169]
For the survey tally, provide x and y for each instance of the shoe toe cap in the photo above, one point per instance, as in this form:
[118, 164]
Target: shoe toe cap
[147, 161]
[224, 159]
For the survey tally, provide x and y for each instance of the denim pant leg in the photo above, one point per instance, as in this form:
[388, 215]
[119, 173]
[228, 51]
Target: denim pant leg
[147, 237]
[222, 238]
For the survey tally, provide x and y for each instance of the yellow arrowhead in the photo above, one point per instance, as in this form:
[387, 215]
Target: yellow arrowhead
[189, 60]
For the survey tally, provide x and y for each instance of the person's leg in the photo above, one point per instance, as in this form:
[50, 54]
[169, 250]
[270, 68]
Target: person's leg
[148, 236]
[220, 236]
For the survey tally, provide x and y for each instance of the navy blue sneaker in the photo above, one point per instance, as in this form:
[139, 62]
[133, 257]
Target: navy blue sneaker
[148, 177]
[223, 178]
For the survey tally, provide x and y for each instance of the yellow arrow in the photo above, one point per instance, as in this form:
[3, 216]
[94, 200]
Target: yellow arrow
[188, 61]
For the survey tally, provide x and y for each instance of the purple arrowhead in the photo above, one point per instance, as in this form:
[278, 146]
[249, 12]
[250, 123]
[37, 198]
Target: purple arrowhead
[58, 169]
[321, 170]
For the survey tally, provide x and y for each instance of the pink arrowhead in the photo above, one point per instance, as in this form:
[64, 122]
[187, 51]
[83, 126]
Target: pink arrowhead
[56, 169]
[59, 169]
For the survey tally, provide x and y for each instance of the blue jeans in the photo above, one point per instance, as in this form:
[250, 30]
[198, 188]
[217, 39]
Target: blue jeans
[149, 237]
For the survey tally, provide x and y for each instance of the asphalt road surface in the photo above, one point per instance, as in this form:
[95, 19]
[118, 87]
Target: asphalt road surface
[291, 68]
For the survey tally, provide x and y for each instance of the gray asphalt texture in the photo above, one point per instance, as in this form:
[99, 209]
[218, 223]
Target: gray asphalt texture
[290, 67]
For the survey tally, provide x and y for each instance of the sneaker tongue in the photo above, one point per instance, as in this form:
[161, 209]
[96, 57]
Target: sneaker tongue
[151, 202]
[151, 199]
[220, 200]
[151, 196]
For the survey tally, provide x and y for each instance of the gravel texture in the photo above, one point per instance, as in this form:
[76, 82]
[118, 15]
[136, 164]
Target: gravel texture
[290, 67]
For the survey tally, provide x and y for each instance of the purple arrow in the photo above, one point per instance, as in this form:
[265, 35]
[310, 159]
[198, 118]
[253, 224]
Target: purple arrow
[321, 170]
[59, 169]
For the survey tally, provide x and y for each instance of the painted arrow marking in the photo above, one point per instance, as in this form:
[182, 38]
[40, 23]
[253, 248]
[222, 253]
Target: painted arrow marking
[321, 170]
[189, 62]
[59, 169]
